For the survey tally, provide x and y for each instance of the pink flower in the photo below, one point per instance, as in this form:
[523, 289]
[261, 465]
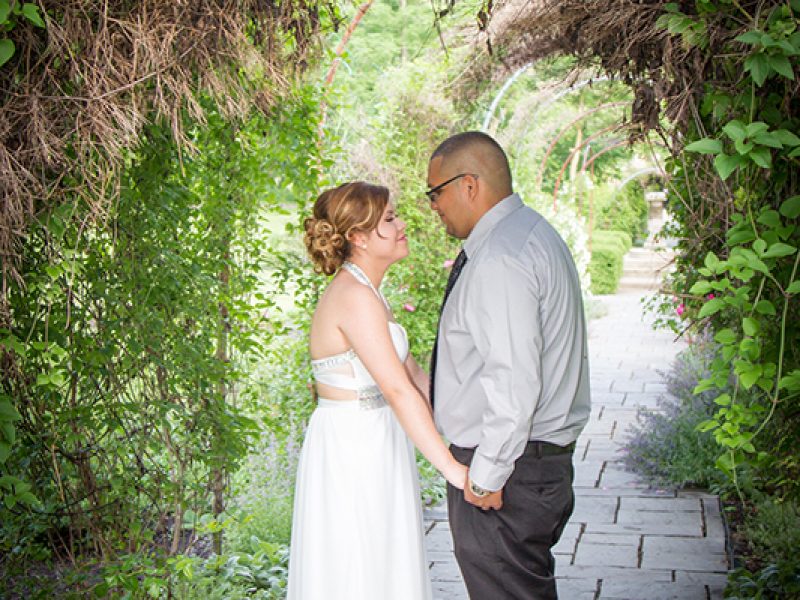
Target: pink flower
[448, 263]
[681, 309]
[710, 296]
[409, 307]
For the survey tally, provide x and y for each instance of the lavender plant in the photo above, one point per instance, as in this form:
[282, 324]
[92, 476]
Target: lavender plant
[665, 448]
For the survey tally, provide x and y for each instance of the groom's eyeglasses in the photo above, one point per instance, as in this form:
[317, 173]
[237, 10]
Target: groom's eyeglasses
[434, 192]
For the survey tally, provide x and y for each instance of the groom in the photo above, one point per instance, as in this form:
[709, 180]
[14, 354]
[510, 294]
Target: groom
[509, 373]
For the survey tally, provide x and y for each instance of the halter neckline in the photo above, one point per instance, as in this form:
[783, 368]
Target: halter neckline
[361, 277]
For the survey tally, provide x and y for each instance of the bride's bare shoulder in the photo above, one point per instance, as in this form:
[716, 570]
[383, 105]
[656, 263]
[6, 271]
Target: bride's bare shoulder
[346, 297]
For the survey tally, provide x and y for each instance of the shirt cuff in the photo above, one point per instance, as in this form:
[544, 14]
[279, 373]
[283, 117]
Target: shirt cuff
[488, 474]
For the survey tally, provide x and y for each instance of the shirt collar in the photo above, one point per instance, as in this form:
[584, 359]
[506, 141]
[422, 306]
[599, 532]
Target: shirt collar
[488, 221]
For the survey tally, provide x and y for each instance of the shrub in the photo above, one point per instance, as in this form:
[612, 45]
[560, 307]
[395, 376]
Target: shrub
[604, 237]
[605, 267]
[774, 582]
[624, 210]
[774, 530]
[665, 448]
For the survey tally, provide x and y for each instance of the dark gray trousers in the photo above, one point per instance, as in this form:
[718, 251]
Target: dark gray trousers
[506, 554]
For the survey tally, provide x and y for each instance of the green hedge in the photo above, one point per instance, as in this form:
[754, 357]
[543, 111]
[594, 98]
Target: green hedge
[605, 268]
[601, 237]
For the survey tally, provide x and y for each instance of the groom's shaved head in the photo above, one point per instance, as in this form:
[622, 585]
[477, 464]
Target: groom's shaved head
[476, 152]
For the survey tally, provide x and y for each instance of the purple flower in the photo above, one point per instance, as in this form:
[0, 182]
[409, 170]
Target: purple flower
[409, 307]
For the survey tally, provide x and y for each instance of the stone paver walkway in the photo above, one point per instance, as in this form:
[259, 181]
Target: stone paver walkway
[624, 541]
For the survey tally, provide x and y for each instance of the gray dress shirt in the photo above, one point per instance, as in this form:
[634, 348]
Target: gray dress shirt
[512, 361]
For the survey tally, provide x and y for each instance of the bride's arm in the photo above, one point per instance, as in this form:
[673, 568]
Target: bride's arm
[418, 376]
[364, 324]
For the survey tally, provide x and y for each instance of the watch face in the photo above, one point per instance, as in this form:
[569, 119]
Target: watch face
[478, 491]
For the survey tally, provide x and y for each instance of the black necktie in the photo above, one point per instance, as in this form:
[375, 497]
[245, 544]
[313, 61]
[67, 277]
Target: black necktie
[461, 260]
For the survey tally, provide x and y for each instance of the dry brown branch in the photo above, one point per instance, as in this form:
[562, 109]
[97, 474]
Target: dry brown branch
[76, 95]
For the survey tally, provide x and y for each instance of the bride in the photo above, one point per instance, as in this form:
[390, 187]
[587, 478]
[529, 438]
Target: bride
[357, 530]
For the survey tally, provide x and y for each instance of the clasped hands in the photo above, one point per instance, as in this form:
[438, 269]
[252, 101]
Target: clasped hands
[493, 500]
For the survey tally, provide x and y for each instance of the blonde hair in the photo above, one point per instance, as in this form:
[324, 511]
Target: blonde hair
[339, 212]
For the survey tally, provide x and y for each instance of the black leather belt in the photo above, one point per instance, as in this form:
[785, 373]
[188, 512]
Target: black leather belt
[540, 448]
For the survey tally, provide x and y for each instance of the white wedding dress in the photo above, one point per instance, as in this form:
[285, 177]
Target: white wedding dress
[357, 531]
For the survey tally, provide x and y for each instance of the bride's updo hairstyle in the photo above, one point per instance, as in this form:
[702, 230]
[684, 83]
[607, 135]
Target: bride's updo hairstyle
[339, 212]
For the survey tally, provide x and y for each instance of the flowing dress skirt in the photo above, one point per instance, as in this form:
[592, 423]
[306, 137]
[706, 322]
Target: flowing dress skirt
[357, 531]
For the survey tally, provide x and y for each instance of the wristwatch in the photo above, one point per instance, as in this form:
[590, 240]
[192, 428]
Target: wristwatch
[478, 490]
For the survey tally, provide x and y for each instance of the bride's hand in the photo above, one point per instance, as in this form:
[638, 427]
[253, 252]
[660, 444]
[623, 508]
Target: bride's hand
[457, 475]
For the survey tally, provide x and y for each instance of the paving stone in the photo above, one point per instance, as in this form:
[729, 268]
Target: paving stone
[629, 385]
[642, 399]
[683, 553]
[661, 504]
[446, 571]
[606, 555]
[655, 387]
[440, 556]
[613, 589]
[621, 573]
[713, 519]
[449, 590]
[587, 474]
[594, 510]
[616, 476]
[612, 539]
[570, 535]
[716, 582]
[695, 493]
[439, 540]
[577, 589]
[664, 523]
[598, 429]
[607, 398]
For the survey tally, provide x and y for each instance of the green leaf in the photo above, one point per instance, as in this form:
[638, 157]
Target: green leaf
[791, 381]
[770, 218]
[723, 400]
[740, 236]
[5, 10]
[749, 375]
[711, 307]
[765, 307]
[786, 137]
[779, 249]
[751, 326]
[705, 146]
[31, 12]
[791, 207]
[755, 128]
[759, 67]
[749, 37]
[762, 157]
[780, 64]
[735, 130]
[727, 164]
[759, 246]
[8, 431]
[711, 261]
[725, 336]
[794, 287]
[707, 425]
[7, 50]
[700, 288]
[7, 411]
[5, 451]
[768, 139]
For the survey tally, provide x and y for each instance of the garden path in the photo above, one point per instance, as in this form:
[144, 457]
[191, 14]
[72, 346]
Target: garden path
[625, 541]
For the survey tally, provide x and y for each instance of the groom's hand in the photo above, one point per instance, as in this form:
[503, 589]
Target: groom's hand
[493, 500]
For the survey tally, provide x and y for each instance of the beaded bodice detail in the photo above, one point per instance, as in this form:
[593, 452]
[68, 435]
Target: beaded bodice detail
[346, 371]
